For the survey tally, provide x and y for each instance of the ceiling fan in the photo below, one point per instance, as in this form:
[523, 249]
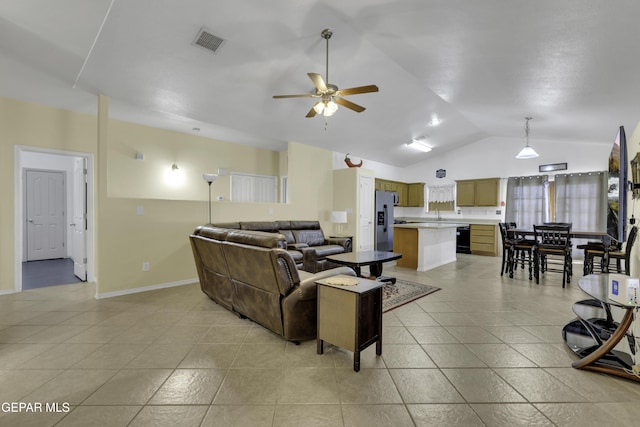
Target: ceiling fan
[329, 95]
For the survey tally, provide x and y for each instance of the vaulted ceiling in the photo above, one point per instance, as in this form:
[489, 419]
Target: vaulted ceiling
[479, 67]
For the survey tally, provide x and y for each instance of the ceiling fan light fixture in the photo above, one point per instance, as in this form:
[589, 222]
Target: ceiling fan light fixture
[326, 108]
[330, 108]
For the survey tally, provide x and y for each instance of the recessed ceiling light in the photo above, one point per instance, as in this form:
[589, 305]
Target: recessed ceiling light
[435, 121]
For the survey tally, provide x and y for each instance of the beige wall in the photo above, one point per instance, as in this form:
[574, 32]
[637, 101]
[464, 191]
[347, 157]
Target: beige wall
[151, 178]
[34, 125]
[633, 142]
[124, 239]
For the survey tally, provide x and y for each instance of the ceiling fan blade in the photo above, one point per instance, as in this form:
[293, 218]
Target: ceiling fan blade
[357, 90]
[311, 113]
[355, 107]
[318, 81]
[306, 95]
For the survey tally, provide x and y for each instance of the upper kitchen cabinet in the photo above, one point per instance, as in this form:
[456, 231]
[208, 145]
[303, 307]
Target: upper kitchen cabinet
[409, 195]
[478, 192]
[415, 197]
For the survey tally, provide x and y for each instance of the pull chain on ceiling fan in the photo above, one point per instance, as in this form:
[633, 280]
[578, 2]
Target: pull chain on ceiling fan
[329, 94]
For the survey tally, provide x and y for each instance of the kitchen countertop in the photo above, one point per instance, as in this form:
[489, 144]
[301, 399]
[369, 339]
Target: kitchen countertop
[463, 221]
[432, 225]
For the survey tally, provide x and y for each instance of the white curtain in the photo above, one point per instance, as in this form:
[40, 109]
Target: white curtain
[441, 193]
[581, 199]
[527, 200]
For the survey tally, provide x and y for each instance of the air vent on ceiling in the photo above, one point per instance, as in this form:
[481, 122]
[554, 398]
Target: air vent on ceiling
[208, 41]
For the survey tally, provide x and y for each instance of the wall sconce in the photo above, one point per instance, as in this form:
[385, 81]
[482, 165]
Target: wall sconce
[174, 176]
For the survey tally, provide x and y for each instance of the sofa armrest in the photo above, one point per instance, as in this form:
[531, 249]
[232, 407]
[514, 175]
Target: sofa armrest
[345, 242]
[307, 287]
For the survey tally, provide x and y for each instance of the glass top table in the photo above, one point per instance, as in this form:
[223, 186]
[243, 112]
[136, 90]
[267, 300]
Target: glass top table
[600, 334]
[373, 259]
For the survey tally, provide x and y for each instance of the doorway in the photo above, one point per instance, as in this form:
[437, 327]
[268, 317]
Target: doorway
[54, 217]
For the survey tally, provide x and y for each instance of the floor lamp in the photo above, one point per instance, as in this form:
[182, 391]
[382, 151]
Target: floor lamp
[209, 178]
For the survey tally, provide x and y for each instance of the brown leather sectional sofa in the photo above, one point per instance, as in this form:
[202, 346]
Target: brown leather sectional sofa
[305, 241]
[251, 273]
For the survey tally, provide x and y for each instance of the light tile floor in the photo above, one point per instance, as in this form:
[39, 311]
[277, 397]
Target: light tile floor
[484, 350]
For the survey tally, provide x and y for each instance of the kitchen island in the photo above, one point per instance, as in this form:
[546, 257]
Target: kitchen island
[425, 245]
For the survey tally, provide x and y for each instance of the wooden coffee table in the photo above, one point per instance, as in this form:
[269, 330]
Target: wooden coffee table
[373, 259]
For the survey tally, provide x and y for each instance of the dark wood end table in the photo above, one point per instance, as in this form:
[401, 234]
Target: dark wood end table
[373, 259]
[350, 316]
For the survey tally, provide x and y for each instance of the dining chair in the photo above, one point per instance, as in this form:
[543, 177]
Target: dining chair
[595, 253]
[523, 253]
[553, 240]
[507, 249]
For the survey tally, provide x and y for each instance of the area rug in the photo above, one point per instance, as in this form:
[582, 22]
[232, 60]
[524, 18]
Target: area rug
[403, 292]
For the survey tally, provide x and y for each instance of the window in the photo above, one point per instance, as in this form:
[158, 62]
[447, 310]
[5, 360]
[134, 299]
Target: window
[581, 198]
[577, 198]
[254, 188]
[528, 200]
[441, 197]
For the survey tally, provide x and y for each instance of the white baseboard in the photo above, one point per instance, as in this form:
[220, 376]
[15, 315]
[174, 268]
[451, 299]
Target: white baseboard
[8, 292]
[146, 288]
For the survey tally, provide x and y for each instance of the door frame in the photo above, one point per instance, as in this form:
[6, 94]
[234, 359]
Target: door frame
[19, 189]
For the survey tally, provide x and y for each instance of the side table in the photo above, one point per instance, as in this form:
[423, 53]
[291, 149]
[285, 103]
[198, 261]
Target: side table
[350, 316]
[601, 333]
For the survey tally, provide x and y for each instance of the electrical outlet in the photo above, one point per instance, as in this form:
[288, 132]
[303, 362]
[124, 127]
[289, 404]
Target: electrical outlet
[145, 266]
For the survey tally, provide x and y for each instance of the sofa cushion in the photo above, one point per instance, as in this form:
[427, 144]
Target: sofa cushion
[310, 237]
[212, 232]
[266, 226]
[325, 250]
[233, 225]
[257, 238]
[296, 255]
[284, 228]
[305, 225]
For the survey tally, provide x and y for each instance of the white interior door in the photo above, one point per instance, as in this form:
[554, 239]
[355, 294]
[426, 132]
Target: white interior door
[45, 209]
[365, 232]
[79, 249]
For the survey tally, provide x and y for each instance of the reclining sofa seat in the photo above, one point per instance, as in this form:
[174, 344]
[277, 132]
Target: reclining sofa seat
[250, 272]
[305, 241]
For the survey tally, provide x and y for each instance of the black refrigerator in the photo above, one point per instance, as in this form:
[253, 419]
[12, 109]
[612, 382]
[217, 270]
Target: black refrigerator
[384, 220]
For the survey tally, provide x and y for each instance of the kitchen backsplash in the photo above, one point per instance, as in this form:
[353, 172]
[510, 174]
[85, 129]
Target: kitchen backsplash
[496, 213]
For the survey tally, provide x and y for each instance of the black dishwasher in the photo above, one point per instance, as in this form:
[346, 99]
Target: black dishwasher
[463, 240]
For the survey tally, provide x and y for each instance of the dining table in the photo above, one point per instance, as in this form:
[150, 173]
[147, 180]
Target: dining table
[602, 236]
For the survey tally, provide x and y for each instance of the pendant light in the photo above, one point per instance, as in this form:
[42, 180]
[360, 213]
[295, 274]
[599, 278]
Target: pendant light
[527, 152]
